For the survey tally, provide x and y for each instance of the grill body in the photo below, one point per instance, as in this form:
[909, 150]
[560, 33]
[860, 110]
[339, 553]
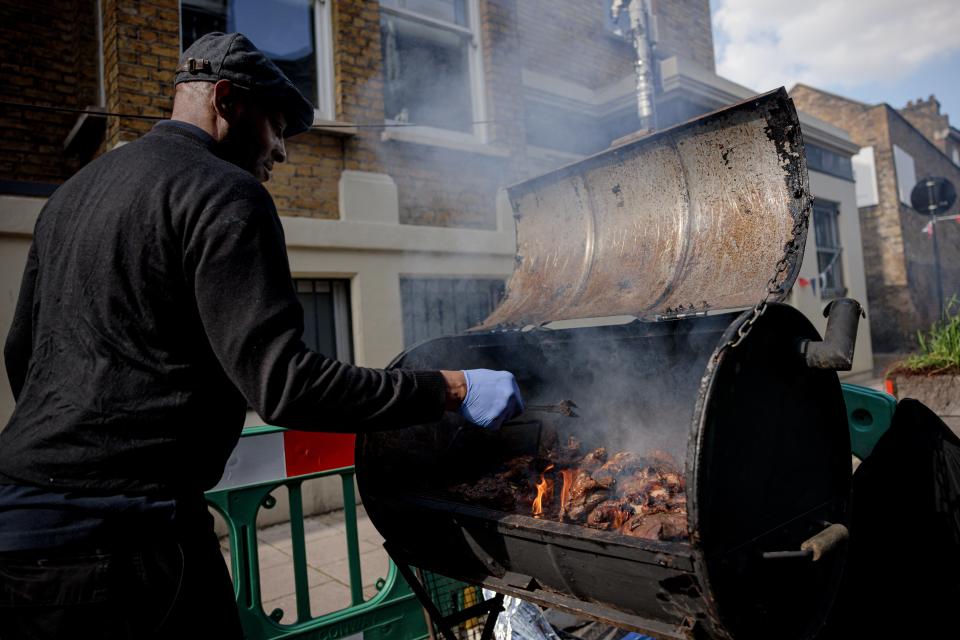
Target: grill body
[761, 437]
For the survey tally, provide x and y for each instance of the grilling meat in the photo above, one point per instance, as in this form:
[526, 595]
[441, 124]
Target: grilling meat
[622, 463]
[518, 469]
[638, 496]
[610, 515]
[585, 494]
[565, 455]
[657, 526]
[490, 491]
[594, 460]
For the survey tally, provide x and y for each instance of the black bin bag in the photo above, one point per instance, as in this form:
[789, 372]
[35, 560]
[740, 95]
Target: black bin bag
[903, 573]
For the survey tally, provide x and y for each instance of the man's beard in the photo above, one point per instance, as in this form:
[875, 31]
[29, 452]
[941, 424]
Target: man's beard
[238, 147]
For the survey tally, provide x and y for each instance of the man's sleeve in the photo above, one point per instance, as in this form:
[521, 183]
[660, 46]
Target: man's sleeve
[19, 345]
[237, 261]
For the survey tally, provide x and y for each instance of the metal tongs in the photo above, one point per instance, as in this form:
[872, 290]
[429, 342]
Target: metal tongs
[564, 408]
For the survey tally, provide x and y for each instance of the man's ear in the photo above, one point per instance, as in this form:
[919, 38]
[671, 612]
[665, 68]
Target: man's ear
[224, 100]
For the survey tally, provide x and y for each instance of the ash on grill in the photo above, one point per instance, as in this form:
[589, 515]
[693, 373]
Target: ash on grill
[642, 496]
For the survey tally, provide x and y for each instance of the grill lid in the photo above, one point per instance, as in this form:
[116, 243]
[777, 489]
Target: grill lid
[707, 215]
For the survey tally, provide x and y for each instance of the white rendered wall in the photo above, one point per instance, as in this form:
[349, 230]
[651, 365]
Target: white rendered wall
[854, 276]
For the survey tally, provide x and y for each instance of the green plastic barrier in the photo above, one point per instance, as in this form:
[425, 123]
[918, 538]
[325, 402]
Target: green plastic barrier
[869, 413]
[392, 614]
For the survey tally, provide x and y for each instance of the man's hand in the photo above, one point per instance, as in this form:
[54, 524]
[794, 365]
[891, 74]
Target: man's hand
[456, 389]
[484, 397]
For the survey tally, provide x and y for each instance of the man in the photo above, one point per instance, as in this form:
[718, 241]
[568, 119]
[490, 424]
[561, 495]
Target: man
[157, 304]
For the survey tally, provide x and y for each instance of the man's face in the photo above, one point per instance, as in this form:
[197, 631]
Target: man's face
[254, 140]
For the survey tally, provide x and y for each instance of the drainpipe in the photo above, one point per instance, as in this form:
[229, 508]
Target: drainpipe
[640, 28]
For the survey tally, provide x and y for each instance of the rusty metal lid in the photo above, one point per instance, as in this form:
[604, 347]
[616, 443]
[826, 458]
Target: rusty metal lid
[708, 215]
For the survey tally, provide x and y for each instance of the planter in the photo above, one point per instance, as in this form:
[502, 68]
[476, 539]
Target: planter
[941, 393]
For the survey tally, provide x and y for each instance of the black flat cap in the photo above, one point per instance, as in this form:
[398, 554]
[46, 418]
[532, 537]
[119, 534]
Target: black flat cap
[231, 56]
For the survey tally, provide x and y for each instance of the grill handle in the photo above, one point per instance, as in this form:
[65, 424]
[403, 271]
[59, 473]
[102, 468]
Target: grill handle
[835, 351]
[816, 546]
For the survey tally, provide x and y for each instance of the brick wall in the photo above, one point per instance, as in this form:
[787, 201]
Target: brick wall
[897, 255]
[926, 117]
[918, 246]
[566, 39]
[49, 56]
[141, 46]
[684, 30]
[437, 186]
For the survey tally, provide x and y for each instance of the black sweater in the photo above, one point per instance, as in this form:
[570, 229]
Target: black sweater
[156, 304]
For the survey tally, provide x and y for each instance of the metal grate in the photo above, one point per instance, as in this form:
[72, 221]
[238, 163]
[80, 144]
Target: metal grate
[451, 596]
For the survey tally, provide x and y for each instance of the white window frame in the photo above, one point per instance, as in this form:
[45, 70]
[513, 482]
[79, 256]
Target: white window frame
[865, 177]
[101, 80]
[323, 47]
[340, 290]
[906, 173]
[325, 110]
[838, 259]
[423, 133]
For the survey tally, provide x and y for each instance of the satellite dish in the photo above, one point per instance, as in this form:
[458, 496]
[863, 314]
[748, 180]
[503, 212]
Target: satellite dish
[933, 196]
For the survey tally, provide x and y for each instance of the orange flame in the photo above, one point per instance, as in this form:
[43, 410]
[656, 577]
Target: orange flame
[568, 475]
[542, 488]
[620, 518]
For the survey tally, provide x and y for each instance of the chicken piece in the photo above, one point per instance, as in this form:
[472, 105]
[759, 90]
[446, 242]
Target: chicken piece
[518, 468]
[661, 460]
[658, 526]
[565, 455]
[594, 460]
[610, 514]
[638, 483]
[489, 491]
[622, 463]
[585, 494]
[673, 479]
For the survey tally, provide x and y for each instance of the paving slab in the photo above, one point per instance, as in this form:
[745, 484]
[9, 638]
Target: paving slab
[327, 565]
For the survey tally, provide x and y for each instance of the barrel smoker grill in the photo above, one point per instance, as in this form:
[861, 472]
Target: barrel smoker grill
[672, 229]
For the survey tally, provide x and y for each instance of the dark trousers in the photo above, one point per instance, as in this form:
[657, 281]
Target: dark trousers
[176, 586]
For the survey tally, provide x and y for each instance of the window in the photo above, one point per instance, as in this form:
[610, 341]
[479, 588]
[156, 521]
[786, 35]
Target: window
[551, 127]
[956, 157]
[326, 317]
[295, 34]
[431, 65]
[435, 307]
[619, 27]
[865, 174]
[829, 162]
[826, 225]
[906, 173]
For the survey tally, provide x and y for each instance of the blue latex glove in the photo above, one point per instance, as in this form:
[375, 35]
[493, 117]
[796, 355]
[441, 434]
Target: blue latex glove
[492, 398]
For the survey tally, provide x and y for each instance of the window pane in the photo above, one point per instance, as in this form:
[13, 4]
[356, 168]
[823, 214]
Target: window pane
[326, 317]
[555, 128]
[427, 75]
[826, 225]
[453, 11]
[434, 307]
[826, 161]
[282, 29]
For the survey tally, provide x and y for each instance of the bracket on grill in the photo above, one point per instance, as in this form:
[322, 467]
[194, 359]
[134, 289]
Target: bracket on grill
[446, 624]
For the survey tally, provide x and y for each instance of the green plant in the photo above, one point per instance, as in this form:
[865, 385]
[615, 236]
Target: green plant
[940, 346]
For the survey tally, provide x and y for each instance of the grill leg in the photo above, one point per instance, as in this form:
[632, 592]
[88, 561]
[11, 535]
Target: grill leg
[446, 624]
[495, 609]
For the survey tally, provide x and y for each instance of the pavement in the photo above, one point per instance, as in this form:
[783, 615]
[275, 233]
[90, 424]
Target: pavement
[327, 572]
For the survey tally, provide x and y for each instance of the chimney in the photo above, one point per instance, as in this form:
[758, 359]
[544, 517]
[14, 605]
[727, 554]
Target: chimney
[930, 106]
